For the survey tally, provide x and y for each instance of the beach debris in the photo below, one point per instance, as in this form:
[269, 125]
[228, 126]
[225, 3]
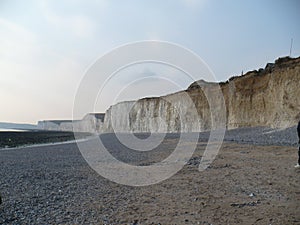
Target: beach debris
[135, 222]
[241, 205]
[194, 161]
[251, 195]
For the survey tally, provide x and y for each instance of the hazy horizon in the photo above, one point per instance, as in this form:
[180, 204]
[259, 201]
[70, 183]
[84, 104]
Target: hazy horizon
[46, 47]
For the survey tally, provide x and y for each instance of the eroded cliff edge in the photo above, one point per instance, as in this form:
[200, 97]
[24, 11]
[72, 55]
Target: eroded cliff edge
[267, 97]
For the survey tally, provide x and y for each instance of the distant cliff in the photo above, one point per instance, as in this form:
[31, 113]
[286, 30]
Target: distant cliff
[91, 122]
[267, 97]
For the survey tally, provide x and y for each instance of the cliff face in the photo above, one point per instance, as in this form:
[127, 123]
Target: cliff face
[92, 122]
[172, 113]
[268, 97]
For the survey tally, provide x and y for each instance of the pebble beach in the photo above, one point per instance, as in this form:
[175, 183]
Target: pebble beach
[251, 181]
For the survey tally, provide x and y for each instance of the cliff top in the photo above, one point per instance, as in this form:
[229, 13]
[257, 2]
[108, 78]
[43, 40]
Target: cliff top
[280, 63]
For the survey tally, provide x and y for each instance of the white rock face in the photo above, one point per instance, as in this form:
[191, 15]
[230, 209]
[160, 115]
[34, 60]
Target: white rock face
[172, 113]
[48, 125]
[91, 123]
[268, 97]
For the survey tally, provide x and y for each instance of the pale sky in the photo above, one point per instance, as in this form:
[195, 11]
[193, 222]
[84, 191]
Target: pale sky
[47, 46]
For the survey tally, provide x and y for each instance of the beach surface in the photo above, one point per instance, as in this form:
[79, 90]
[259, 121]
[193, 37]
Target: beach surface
[251, 181]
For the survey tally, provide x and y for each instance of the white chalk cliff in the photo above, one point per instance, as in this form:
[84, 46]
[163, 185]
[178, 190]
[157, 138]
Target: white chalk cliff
[267, 97]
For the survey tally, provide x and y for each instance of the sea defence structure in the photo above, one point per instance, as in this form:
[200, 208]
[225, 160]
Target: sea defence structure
[264, 97]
